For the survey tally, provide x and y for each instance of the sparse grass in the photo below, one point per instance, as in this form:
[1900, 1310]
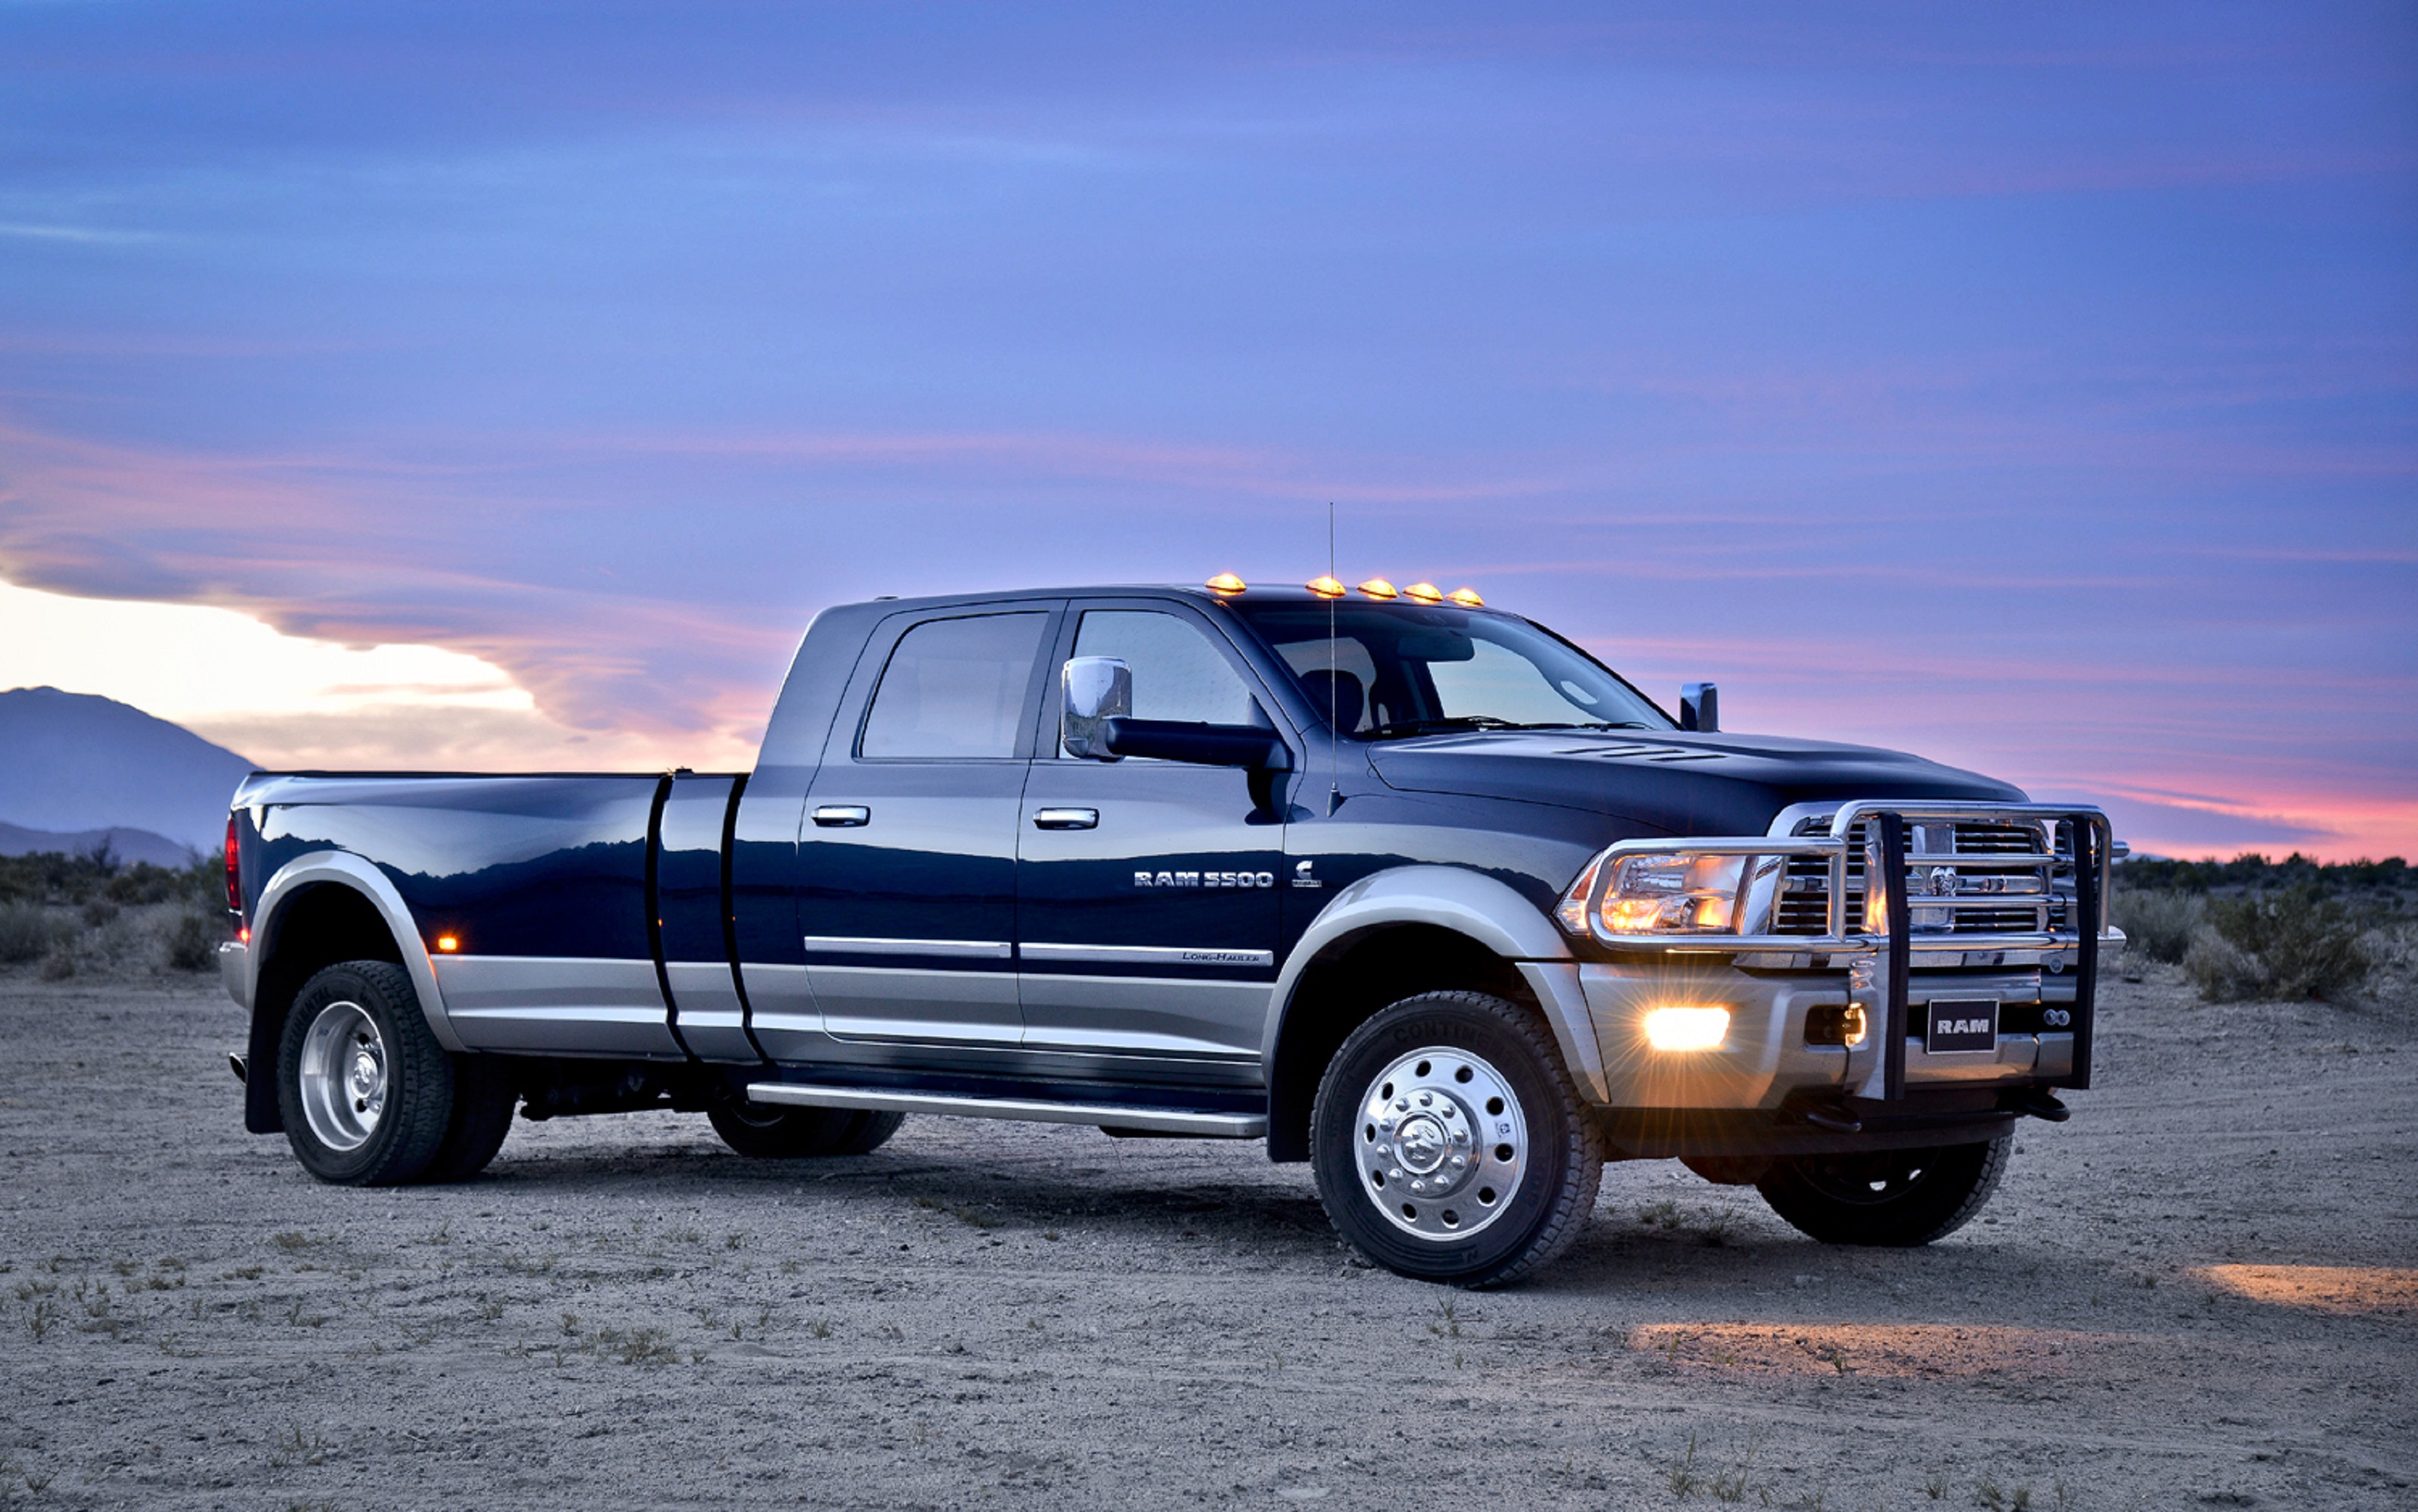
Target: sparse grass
[1450, 1326]
[1935, 1484]
[294, 1447]
[1731, 1485]
[1680, 1476]
[820, 1328]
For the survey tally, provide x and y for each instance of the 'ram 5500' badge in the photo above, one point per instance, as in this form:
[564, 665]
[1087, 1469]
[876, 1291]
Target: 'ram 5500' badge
[1204, 879]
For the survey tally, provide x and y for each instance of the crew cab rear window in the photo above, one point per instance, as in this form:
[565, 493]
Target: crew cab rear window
[955, 690]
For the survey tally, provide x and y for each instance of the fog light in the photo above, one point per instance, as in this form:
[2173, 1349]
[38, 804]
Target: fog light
[1687, 1028]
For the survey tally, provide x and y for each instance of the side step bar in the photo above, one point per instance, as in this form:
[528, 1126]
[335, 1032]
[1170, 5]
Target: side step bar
[1142, 1120]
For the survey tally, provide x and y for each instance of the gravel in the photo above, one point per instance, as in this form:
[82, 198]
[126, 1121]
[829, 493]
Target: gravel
[623, 1313]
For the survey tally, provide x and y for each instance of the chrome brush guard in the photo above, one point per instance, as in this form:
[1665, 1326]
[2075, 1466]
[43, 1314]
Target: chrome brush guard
[1912, 905]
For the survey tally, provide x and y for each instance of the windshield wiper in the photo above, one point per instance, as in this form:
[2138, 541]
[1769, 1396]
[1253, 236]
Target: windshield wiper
[1405, 727]
[1433, 726]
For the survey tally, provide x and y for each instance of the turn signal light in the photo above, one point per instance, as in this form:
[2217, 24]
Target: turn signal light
[1377, 588]
[1467, 598]
[1227, 582]
[1325, 587]
[1424, 594]
[1687, 1028]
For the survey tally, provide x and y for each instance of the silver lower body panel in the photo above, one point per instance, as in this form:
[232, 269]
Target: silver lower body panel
[1141, 1120]
[557, 1005]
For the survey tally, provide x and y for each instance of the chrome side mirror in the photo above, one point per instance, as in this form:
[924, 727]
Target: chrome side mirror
[1699, 707]
[1096, 689]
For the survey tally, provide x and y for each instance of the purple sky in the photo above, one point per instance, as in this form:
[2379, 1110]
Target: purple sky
[2030, 387]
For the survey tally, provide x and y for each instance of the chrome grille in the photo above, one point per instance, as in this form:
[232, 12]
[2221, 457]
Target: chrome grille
[1803, 907]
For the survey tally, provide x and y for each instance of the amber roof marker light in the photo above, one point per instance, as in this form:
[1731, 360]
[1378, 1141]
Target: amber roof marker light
[1377, 588]
[1325, 587]
[1225, 583]
[1424, 594]
[1467, 598]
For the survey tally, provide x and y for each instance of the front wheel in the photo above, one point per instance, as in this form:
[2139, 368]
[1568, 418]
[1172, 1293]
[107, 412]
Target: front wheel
[795, 1133]
[1449, 1143]
[1890, 1198]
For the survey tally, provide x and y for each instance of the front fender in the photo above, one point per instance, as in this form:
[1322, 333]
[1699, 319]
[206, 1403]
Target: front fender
[1467, 903]
[343, 869]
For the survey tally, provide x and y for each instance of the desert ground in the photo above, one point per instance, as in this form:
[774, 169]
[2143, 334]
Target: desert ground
[2197, 1293]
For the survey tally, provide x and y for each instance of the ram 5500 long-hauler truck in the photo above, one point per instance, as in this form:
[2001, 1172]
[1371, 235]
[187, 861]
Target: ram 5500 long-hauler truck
[1409, 888]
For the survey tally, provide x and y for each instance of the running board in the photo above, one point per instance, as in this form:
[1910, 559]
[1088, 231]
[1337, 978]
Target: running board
[1107, 1116]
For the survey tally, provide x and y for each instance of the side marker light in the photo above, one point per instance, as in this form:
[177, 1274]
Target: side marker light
[1687, 1028]
[448, 943]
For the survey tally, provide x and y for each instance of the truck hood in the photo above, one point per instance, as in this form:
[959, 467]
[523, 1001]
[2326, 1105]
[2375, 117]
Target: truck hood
[1676, 782]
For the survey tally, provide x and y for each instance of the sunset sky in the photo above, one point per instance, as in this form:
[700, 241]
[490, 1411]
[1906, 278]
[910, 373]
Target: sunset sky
[2031, 386]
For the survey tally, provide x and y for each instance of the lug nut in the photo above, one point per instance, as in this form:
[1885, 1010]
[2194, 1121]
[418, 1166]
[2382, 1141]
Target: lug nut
[1427, 1099]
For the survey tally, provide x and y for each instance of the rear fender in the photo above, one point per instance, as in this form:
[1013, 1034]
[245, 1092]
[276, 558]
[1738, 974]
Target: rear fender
[343, 869]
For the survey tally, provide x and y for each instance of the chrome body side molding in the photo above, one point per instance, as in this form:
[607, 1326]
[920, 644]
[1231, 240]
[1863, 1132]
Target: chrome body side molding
[970, 950]
[1142, 1120]
[1146, 954]
[343, 869]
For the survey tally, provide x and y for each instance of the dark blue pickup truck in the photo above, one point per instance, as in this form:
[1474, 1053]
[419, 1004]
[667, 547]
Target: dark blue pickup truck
[1409, 888]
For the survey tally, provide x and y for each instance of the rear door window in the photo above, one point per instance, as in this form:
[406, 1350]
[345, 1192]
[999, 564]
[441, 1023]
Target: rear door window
[955, 690]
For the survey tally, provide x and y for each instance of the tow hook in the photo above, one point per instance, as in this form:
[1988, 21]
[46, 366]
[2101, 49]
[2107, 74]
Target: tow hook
[235, 1063]
[1837, 1120]
[2041, 1104]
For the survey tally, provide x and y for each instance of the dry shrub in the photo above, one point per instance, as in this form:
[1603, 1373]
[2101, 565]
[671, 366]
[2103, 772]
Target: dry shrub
[2160, 922]
[2292, 943]
[194, 943]
[26, 934]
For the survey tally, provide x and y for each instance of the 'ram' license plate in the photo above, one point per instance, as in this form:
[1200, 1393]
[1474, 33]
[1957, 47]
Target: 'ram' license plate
[1960, 1025]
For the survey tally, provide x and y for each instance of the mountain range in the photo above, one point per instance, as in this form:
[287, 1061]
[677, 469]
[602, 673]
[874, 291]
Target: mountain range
[77, 769]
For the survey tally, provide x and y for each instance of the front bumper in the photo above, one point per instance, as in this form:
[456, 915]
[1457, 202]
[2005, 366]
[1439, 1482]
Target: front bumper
[1765, 1062]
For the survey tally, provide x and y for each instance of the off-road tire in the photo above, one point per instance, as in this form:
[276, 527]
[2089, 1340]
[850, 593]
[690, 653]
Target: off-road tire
[1558, 1173]
[1897, 1199]
[416, 1105]
[485, 1096]
[767, 1133]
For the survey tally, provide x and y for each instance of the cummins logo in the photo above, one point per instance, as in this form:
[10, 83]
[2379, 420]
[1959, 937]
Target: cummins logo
[1204, 879]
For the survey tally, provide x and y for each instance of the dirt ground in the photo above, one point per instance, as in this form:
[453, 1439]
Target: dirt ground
[2198, 1292]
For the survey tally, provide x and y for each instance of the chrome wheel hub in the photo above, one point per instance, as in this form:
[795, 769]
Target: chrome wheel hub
[343, 1075]
[1443, 1143]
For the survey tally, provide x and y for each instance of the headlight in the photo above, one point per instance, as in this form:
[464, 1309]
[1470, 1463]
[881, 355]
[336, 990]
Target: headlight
[1676, 894]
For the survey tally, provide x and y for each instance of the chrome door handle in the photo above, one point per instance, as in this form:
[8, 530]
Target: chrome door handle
[1066, 818]
[843, 815]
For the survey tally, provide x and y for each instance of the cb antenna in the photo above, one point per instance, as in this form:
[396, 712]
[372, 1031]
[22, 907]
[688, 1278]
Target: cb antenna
[1333, 675]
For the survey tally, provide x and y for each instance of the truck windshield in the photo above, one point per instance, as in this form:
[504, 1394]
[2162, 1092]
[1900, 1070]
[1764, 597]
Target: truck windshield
[1399, 669]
